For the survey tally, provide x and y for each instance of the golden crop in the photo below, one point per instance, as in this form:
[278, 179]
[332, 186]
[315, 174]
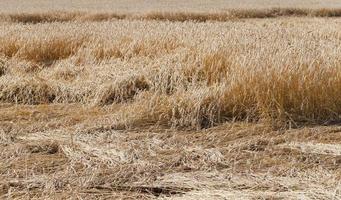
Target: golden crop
[160, 99]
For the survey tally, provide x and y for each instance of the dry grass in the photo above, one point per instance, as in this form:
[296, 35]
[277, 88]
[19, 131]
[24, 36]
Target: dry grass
[187, 101]
[164, 76]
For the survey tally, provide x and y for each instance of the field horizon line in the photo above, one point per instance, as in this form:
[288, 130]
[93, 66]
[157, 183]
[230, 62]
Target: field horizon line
[174, 16]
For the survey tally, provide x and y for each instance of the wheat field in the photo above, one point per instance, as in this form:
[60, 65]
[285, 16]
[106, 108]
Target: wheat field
[170, 100]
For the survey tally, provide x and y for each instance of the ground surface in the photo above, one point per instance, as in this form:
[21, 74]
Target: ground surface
[102, 100]
[157, 5]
